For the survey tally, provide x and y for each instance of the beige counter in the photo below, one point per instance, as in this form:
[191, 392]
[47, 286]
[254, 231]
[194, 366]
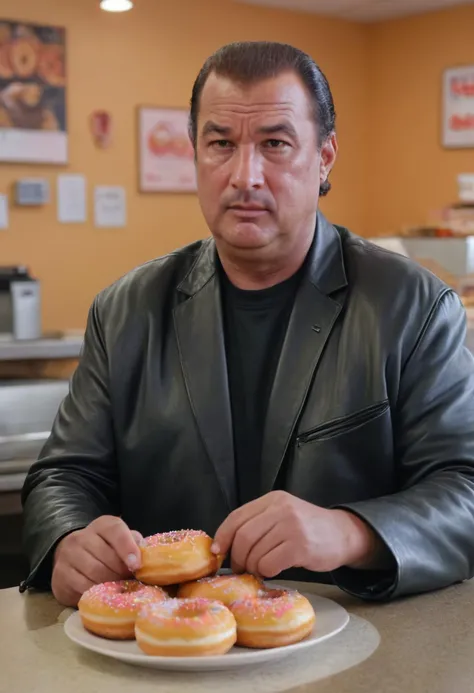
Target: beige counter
[426, 646]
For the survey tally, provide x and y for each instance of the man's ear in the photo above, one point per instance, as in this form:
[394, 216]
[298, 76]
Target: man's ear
[328, 156]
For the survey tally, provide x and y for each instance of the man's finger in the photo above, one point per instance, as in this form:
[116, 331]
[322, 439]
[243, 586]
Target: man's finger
[120, 538]
[78, 582]
[93, 569]
[68, 584]
[103, 552]
[268, 541]
[251, 534]
[225, 534]
[276, 561]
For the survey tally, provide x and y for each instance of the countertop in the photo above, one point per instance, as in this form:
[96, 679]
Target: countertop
[423, 644]
[68, 347]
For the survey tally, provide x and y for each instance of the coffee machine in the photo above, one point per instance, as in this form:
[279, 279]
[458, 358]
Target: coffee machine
[20, 304]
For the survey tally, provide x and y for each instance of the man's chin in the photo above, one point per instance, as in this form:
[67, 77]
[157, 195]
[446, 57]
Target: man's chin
[246, 237]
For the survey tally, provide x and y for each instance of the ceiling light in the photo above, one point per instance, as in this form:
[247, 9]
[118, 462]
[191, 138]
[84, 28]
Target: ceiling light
[116, 5]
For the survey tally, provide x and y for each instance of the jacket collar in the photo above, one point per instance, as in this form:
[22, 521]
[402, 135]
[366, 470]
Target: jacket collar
[325, 271]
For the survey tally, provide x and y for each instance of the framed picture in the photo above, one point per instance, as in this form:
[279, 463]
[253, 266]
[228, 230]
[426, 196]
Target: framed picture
[458, 107]
[166, 156]
[33, 88]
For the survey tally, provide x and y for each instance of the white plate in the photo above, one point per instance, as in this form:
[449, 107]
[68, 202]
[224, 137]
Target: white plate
[330, 619]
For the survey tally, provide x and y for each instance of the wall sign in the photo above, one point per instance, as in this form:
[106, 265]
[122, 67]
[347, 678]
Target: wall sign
[32, 93]
[458, 107]
[166, 156]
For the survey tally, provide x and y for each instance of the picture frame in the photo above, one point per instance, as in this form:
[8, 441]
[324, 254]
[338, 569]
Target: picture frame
[33, 93]
[165, 152]
[458, 107]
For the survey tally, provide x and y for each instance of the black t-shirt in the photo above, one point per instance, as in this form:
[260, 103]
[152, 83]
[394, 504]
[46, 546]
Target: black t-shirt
[255, 325]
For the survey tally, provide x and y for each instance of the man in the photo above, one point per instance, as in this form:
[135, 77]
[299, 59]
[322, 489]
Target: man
[299, 394]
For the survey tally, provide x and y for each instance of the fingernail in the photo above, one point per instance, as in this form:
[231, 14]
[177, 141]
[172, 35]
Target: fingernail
[215, 548]
[132, 561]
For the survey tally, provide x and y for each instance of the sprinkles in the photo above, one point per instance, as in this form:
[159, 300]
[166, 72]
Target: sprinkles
[273, 603]
[165, 538]
[122, 595]
[182, 612]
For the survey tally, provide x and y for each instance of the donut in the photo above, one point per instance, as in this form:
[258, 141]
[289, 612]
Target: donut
[24, 57]
[185, 628]
[51, 65]
[174, 557]
[22, 115]
[6, 69]
[31, 95]
[275, 619]
[223, 588]
[110, 609]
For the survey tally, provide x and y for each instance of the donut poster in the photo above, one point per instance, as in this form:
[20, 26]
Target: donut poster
[166, 156]
[33, 126]
[458, 107]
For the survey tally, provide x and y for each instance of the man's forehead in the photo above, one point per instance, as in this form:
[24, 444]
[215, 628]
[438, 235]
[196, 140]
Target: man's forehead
[285, 91]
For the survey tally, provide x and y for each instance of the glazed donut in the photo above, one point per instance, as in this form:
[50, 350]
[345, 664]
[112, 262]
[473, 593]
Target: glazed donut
[51, 65]
[31, 95]
[6, 69]
[24, 57]
[110, 609]
[276, 619]
[185, 628]
[223, 588]
[174, 557]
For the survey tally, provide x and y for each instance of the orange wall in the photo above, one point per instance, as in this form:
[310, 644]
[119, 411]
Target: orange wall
[410, 174]
[151, 56]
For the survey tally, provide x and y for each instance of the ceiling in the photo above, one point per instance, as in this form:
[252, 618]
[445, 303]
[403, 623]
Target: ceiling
[361, 10]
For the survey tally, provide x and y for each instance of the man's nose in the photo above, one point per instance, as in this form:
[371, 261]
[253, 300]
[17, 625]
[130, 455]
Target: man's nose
[247, 169]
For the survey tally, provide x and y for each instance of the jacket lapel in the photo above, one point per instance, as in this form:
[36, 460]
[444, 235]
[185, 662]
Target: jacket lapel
[200, 335]
[313, 316]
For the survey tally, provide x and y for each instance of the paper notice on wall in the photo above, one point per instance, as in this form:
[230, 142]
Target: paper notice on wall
[72, 199]
[3, 212]
[110, 206]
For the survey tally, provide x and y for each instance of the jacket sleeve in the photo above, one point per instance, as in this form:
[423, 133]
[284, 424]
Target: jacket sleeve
[74, 480]
[428, 525]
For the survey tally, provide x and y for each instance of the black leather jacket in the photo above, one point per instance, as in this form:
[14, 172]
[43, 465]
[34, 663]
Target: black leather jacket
[372, 409]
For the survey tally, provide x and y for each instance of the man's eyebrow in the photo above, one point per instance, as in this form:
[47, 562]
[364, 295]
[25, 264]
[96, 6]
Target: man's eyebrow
[211, 128]
[284, 128]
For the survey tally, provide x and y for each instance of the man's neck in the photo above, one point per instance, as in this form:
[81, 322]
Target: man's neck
[255, 275]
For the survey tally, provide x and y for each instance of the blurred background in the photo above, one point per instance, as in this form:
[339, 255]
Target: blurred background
[96, 173]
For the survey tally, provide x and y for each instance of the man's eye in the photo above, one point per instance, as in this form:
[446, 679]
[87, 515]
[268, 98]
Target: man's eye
[276, 144]
[221, 144]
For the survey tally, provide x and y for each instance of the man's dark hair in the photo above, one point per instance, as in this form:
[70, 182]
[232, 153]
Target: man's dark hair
[251, 61]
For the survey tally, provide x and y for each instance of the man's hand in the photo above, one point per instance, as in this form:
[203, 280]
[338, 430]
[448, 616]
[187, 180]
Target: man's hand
[280, 531]
[105, 550]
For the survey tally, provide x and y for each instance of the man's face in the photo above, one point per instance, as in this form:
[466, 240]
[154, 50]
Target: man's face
[259, 167]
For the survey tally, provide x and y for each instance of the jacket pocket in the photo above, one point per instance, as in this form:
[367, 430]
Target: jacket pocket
[344, 424]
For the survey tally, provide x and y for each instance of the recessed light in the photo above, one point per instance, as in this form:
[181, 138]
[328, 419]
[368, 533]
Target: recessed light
[116, 5]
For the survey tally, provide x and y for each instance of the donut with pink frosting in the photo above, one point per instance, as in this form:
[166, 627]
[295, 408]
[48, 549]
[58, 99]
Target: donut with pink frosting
[185, 628]
[111, 608]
